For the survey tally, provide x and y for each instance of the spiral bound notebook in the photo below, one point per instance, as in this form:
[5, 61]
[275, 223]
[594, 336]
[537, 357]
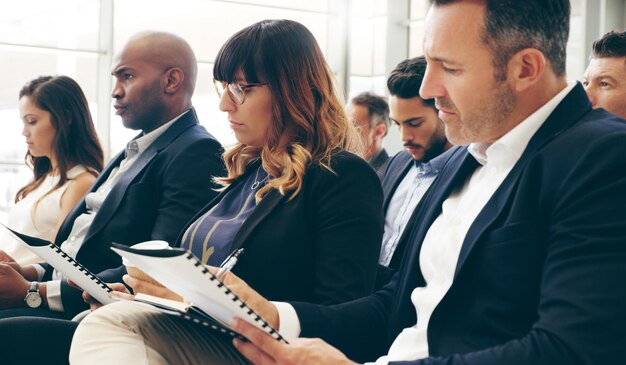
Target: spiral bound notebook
[185, 311]
[70, 268]
[213, 304]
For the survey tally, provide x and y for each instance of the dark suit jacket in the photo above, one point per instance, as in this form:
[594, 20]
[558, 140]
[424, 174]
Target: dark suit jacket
[540, 277]
[397, 168]
[321, 246]
[164, 188]
[379, 162]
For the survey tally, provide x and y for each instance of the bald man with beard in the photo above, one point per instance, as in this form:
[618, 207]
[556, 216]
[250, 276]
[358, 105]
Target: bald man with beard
[147, 192]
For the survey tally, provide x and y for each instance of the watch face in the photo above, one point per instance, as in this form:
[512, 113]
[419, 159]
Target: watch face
[33, 300]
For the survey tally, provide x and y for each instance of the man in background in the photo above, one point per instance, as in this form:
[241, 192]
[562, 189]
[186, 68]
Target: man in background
[410, 172]
[370, 114]
[605, 77]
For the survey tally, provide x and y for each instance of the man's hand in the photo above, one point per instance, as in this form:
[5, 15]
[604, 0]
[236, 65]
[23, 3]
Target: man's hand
[263, 349]
[254, 300]
[5, 258]
[27, 271]
[13, 288]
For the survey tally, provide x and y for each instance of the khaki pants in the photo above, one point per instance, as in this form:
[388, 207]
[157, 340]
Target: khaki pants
[123, 333]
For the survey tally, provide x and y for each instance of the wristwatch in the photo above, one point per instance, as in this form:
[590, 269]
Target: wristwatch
[33, 298]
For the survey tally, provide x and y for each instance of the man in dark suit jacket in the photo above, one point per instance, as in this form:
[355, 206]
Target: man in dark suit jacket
[518, 255]
[409, 173]
[147, 192]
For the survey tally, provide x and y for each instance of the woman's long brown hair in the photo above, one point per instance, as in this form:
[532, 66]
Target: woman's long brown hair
[75, 141]
[285, 55]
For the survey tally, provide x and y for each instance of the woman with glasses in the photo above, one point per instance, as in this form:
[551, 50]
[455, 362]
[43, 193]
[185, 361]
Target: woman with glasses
[306, 210]
[64, 154]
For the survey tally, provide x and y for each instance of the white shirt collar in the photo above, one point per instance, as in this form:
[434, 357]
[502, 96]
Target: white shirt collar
[140, 144]
[516, 140]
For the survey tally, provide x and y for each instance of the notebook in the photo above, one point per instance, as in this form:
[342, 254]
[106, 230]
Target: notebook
[185, 311]
[213, 304]
[62, 262]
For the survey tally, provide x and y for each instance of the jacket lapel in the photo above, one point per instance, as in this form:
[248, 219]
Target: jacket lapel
[115, 196]
[265, 207]
[81, 207]
[397, 169]
[568, 112]
[460, 164]
[438, 163]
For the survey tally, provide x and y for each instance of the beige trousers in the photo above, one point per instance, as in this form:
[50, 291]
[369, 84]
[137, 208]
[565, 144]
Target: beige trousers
[124, 333]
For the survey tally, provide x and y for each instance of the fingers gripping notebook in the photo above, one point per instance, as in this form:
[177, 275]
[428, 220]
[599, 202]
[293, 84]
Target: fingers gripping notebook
[182, 272]
[62, 262]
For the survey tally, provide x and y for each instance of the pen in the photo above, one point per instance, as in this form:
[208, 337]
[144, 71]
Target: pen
[229, 263]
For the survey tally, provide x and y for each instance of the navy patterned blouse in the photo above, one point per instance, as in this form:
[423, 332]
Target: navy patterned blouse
[211, 236]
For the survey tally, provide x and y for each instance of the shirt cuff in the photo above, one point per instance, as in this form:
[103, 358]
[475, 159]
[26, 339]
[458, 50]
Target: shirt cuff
[40, 271]
[289, 324]
[383, 360]
[53, 295]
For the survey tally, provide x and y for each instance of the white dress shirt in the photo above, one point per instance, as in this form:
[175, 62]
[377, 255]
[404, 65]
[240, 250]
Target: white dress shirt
[94, 202]
[443, 241]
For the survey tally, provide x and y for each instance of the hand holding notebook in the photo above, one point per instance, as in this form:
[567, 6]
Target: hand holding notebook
[70, 268]
[213, 304]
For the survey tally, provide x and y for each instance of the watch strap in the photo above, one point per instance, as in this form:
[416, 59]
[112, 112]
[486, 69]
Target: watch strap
[34, 287]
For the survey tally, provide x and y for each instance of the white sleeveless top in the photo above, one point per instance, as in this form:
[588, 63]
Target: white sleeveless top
[39, 221]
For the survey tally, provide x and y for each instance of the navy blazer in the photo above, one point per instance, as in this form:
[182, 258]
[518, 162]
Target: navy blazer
[168, 183]
[540, 276]
[322, 246]
[397, 168]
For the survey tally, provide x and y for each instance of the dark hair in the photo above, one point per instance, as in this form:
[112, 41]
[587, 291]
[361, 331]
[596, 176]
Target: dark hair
[377, 108]
[512, 25]
[285, 55]
[406, 79]
[75, 141]
[612, 44]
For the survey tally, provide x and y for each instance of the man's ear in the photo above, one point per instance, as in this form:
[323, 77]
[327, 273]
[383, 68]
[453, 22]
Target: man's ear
[173, 80]
[380, 130]
[526, 68]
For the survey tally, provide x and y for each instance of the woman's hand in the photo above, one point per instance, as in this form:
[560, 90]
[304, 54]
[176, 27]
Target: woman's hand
[142, 286]
[119, 291]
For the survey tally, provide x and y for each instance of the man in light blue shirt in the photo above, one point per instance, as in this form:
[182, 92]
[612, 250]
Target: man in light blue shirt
[411, 172]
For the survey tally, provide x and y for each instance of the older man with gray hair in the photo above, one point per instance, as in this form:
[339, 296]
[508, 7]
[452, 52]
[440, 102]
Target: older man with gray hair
[370, 114]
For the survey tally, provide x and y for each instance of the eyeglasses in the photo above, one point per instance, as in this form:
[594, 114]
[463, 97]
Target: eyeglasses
[236, 91]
